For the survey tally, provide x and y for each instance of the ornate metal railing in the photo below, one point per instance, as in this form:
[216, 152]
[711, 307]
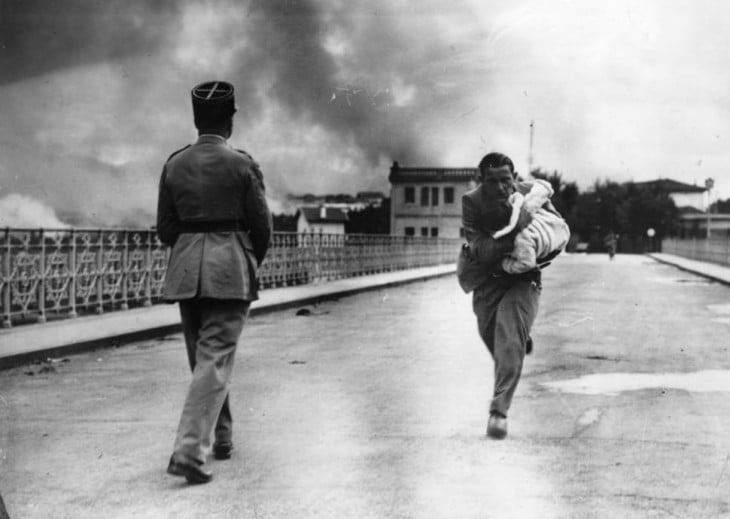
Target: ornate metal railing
[713, 250]
[55, 274]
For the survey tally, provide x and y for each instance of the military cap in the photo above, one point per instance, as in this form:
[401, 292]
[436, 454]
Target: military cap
[213, 103]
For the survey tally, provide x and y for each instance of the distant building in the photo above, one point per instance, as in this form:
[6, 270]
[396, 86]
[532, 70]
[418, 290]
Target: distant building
[371, 198]
[427, 201]
[686, 197]
[339, 201]
[694, 224]
[692, 201]
[321, 219]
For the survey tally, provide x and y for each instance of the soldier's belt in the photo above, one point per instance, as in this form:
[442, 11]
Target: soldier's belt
[217, 226]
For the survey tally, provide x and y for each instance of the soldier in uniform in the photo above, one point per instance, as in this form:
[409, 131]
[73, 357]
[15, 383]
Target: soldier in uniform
[505, 304]
[213, 213]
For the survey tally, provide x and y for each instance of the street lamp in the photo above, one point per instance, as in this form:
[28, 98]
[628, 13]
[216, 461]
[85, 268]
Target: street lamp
[650, 232]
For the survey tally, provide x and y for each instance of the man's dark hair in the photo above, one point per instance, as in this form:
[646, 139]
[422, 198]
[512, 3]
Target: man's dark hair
[495, 160]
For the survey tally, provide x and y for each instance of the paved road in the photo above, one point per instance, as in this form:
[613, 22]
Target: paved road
[375, 406]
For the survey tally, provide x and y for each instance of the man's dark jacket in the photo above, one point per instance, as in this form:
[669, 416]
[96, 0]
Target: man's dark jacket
[480, 258]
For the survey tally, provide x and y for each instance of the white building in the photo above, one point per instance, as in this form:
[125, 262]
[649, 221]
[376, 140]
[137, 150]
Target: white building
[322, 219]
[684, 195]
[427, 201]
[694, 225]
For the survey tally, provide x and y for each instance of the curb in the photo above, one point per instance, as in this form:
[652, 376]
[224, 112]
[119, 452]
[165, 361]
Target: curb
[680, 263]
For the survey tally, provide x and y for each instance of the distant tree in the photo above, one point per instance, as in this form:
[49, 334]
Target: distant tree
[720, 206]
[624, 209]
[285, 222]
[371, 220]
[596, 212]
[610, 207]
[648, 208]
[339, 198]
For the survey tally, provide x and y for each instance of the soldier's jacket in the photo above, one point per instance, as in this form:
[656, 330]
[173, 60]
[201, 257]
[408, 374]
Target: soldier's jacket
[212, 211]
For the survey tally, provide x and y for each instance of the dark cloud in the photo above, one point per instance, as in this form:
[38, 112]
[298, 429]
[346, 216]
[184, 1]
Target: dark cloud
[337, 91]
[286, 40]
[39, 36]
[289, 36]
[350, 94]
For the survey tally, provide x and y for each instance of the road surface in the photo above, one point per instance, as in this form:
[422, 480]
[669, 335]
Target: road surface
[375, 406]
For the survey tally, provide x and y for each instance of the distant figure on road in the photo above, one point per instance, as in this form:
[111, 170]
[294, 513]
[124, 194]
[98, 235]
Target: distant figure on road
[545, 236]
[505, 304]
[610, 241]
[213, 213]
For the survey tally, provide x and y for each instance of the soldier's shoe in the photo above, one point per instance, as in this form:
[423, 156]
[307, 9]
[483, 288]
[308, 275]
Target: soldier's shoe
[191, 470]
[222, 450]
[528, 346]
[497, 426]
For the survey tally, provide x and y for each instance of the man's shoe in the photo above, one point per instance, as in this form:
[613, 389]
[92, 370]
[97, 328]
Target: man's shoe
[497, 427]
[222, 450]
[192, 471]
[528, 346]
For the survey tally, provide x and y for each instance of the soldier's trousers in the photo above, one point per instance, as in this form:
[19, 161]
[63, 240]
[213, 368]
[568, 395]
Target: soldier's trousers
[506, 308]
[211, 328]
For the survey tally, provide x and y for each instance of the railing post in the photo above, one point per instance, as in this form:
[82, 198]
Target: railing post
[125, 269]
[7, 323]
[100, 274]
[148, 268]
[316, 241]
[42, 279]
[72, 273]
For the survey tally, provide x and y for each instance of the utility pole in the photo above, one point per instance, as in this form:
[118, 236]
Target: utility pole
[530, 158]
[709, 184]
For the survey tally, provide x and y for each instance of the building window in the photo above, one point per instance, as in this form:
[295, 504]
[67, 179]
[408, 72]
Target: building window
[424, 231]
[410, 193]
[434, 232]
[448, 195]
[434, 196]
[424, 196]
[461, 232]
[410, 231]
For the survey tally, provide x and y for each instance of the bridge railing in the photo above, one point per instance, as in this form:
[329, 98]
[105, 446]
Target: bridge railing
[62, 273]
[713, 250]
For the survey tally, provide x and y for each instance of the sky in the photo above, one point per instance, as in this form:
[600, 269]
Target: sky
[94, 96]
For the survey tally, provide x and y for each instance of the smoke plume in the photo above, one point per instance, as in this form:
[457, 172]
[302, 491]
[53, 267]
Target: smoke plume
[95, 95]
[25, 212]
